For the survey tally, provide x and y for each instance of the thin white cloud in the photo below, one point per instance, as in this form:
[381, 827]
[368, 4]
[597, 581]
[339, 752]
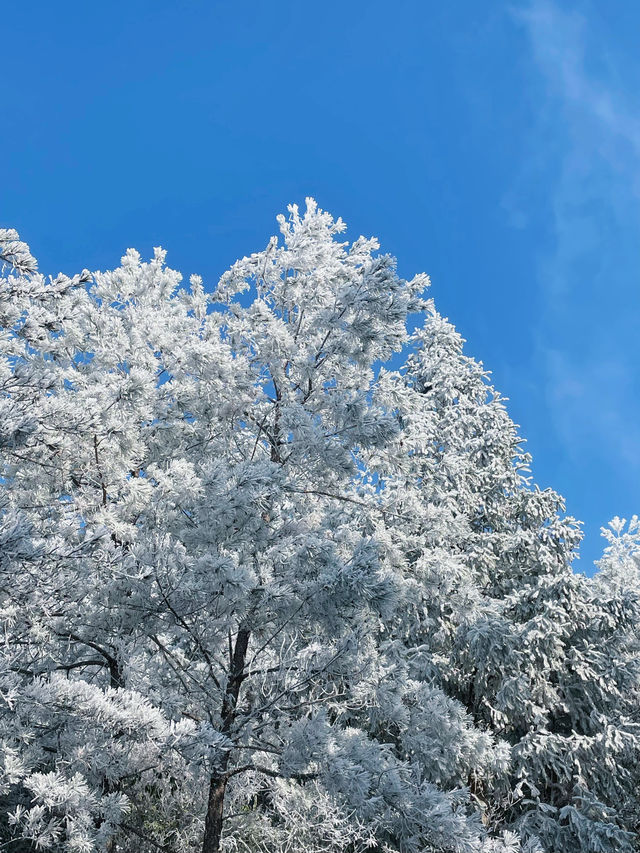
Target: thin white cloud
[560, 43]
[589, 402]
[588, 140]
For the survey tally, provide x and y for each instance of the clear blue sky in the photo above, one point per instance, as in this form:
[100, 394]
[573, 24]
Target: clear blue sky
[494, 145]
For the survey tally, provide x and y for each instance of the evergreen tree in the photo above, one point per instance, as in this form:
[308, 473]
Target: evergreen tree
[535, 652]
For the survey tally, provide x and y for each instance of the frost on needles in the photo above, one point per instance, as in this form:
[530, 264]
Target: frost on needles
[260, 593]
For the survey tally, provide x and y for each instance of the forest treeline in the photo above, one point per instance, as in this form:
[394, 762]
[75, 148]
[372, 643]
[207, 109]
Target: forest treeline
[274, 575]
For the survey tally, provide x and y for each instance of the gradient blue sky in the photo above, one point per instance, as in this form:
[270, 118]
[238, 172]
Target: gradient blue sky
[494, 145]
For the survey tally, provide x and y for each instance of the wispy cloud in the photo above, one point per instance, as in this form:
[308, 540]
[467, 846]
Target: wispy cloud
[560, 43]
[590, 402]
[588, 143]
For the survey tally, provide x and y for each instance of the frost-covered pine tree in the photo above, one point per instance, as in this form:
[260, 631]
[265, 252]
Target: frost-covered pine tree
[619, 567]
[535, 652]
[259, 594]
[197, 584]
[618, 579]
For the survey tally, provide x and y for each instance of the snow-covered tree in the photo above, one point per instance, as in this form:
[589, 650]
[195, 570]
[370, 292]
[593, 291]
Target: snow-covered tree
[618, 579]
[193, 596]
[619, 567]
[260, 594]
[535, 652]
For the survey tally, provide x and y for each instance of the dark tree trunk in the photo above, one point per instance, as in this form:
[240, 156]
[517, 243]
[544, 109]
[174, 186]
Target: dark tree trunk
[215, 808]
[116, 675]
[218, 780]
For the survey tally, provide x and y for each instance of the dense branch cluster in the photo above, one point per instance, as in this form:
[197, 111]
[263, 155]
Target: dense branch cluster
[274, 577]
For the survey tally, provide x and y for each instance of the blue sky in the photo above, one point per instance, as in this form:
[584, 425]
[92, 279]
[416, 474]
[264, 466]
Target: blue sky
[494, 145]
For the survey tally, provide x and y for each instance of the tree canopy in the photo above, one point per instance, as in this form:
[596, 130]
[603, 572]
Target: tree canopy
[274, 575]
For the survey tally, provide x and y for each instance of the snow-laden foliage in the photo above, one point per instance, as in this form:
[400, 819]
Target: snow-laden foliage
[619, 579]
[260, 593]
[537, 654]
